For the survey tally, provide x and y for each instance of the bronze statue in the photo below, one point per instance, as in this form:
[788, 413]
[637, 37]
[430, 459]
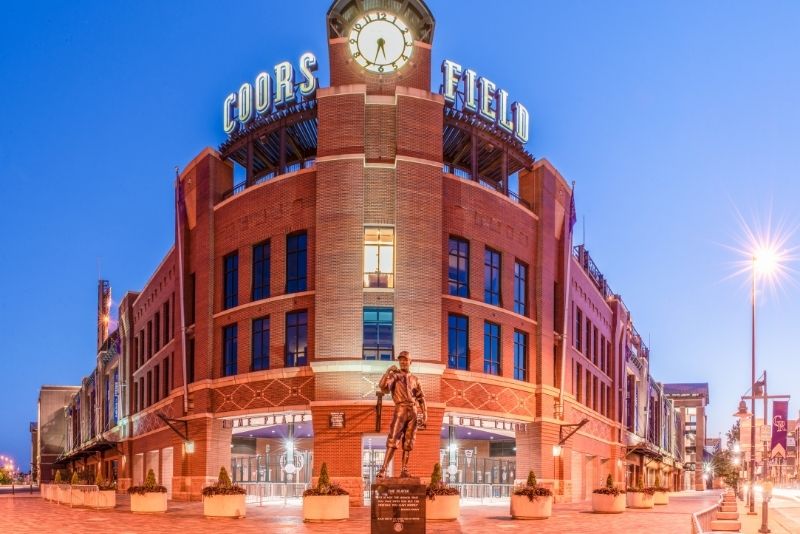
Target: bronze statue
[410, 411]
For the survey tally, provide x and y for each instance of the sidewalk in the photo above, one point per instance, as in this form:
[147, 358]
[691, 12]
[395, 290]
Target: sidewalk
[36, 515]
[752, 523]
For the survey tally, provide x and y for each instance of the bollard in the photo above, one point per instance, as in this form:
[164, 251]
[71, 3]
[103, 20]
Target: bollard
[764, 517]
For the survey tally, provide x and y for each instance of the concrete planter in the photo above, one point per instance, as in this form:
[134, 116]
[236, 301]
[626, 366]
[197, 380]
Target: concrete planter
[46, 491]
[608, 504]
[638, 499]
[224, 506]
[661, 497]
[77, 497]
[62, 494]
[101, 499]
[326, 508]
[538, 508]
[443, 508]
[149, 503]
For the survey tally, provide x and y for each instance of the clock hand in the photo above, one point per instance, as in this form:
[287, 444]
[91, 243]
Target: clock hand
[381, 43]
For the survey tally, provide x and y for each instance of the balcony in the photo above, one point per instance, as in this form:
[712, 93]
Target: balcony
[580, 253]
[487, 183]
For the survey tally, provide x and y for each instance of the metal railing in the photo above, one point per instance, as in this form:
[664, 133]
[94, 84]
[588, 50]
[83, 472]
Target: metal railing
[260, 492]
[466, 174]
[484, 491]
[701, 521]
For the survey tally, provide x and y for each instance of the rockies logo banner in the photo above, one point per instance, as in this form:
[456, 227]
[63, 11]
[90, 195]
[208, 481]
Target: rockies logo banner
[780, 412]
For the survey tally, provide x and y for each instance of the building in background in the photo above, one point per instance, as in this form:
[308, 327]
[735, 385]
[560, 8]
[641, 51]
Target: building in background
[52, 428]
[691, 400]
[337, 226]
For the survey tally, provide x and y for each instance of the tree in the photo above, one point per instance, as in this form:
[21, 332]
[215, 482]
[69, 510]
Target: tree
[734, 434]
[723, 466]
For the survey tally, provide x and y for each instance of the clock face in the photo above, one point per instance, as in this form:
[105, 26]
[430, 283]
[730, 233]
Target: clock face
[381, 42]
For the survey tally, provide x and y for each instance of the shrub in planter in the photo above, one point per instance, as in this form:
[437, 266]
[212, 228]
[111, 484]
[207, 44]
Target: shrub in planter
[327, 501]
[77, 497]
[660, 495]
[531, 501]
[609, 499]
[443, 501]
[150, 497]
[224, 499]
[640, 496]
[105, 496]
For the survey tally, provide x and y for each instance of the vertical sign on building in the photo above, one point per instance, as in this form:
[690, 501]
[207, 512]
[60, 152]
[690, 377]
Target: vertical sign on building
[780, 412]
[116, 395]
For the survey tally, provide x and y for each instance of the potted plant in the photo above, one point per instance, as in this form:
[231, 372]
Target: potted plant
[531, 501]
[77, 496]
[149, 497]
[661, 492]
[224, 499]
[608, 499]
[106, 494]
[327, 501]
[443, 501]
[640, 496]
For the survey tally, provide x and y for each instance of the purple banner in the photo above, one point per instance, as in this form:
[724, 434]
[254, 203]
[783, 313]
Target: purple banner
[780, 412]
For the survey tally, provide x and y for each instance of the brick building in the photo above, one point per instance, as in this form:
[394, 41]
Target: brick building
[337, 226]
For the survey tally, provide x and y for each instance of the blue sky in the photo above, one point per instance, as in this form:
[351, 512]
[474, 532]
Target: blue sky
[670, 117]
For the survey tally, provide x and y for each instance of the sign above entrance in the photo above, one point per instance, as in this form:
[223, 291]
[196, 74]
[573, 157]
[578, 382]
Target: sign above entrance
[269, 93]
[481, 96]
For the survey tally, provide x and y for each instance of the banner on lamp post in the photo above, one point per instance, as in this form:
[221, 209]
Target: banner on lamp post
[780, 412]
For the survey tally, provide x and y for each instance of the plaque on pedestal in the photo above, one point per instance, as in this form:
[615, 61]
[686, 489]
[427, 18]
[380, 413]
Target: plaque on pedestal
[398, 505]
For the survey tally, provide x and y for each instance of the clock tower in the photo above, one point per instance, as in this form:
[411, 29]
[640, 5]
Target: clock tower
[378, 186]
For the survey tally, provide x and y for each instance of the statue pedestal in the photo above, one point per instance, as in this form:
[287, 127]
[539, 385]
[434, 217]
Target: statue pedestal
[398, 505]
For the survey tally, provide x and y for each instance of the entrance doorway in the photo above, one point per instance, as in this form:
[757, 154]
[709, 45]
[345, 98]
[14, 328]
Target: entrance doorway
[373, 452]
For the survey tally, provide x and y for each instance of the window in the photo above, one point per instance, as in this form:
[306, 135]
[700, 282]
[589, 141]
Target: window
[578, 382]
[260, 345]
[378, 257]
[190, 296]
[520, 355]
[157, 331]
[230, 342]
[136, 402]
[190, 361]
[296, 268]
[595, 351]
[378, 334]
[141, 393]
[458, 267]
[577, 335]
[588, 345]
[603, 361]
[491, 348]
[149, 339]
[149, 388]
[261, 271]
[231, 287]
[156, 382]
[500, 449]
[167, 385]
[520, 288]
[457, 335]
[296, 338]
[491, 273]
[167, 333]
[135, 352]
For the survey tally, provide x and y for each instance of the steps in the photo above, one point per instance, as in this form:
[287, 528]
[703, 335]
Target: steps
[727, 517]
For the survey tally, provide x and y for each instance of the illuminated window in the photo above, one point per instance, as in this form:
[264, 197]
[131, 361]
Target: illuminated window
[378, 334]
[378, 257]
[458, 267]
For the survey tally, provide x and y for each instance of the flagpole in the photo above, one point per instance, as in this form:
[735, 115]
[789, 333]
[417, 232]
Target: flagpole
[179, 244]
[568, 222]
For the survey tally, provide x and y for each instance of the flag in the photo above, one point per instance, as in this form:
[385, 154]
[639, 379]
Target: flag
[780, 412]
[573, 217]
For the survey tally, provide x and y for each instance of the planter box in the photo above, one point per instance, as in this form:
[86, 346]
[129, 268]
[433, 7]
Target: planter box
[326, 508]
[149, 503]
[608, 504]
[101, 499]
[637, 499]
[77, 497]
[47, 491]
[538, 508]
[443, 508]
[224, 506]
[62, 494]
[661, 497]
